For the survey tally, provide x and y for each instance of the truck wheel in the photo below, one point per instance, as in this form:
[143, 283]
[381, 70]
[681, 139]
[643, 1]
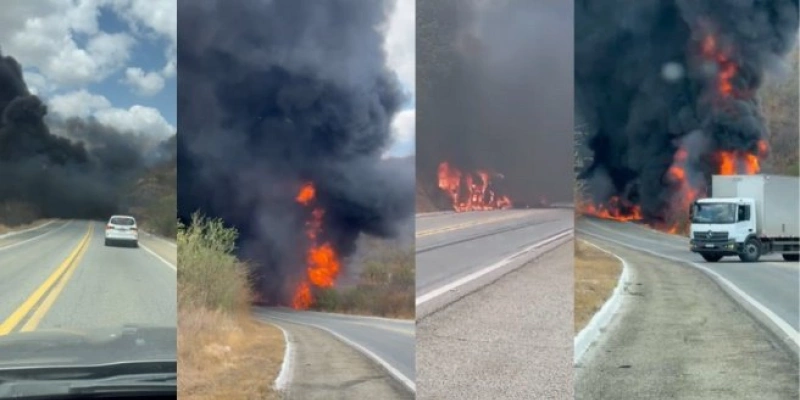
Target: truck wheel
[711, 257]
[791, 257]
[751, 251]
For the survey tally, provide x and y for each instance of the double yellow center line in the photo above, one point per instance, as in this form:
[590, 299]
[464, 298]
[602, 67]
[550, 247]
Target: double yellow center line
[39, 303]
[465, 225]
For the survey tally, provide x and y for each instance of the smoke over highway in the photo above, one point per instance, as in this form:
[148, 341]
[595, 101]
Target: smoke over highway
[52, 168]
[668, 90]
[495, 95]
[285, 108]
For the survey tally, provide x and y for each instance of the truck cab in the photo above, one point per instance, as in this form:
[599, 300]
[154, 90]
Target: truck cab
[722, 226]
[748, 216]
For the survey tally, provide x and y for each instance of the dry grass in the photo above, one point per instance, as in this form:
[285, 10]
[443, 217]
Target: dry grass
[6, 228]
[222, 356]
[596, 275]
[223, 353]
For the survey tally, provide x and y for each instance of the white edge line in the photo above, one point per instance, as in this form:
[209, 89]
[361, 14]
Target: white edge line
[15, 233]
[354, 316]
[285, 374]
[153, 253]
[160, 239]
[392, 370]
[37, 237]
[477, 274]
[600, 320]
[787, 329]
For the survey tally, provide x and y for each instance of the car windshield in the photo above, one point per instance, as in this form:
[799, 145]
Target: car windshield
[123, 221]
[714, 213]
[88, 232]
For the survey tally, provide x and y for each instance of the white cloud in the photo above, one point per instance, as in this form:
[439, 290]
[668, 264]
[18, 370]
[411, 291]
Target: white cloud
[145, 120]
[144, 83]
[40, 34]
[80, 104]
[160, 17]
[400, 42]
[140, 119]
[404, 125]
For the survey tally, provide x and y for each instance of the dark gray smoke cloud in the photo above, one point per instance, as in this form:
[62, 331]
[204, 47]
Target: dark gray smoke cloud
[273, 94]
[80, 172]
[495, 92]
[646, 86]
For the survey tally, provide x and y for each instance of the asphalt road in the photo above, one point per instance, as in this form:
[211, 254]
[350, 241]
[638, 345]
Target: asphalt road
[772, 282]
[61, 276]
[453, 245]
[494, 312]
[677, 335]
[391, 341]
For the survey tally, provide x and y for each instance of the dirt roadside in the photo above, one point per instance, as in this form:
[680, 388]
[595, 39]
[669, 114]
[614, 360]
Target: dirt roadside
[678, 335]
[325, 368]
[596, 276]
[223, 357]
[4, 229]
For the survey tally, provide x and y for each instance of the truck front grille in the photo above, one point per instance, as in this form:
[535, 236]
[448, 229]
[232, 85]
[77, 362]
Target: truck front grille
[713, 236]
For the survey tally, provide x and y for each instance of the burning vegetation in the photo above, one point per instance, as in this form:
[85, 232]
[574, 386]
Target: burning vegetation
[322, 262]
[663, 118]
[471, 191]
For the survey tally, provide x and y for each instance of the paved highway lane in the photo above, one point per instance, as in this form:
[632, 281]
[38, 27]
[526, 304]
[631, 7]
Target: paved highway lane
[494, 292]
[62, 276]
[389, 340]
[772, 282]
[453, 245]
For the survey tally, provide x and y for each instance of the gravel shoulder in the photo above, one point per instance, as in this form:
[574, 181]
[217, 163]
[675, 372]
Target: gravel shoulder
[511, 339]
[326, 368]
[678, 335]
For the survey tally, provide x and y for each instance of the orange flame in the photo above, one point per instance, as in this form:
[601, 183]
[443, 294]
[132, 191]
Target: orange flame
[727, 69]
[478, 195]
[302, 297]
[614, 209]
[322, 262]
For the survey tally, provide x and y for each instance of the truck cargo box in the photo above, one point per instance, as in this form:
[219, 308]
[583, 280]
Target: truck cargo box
[776, 198]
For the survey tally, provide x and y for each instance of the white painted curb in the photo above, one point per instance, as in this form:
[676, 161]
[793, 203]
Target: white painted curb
[600, 320]
[285, 375]
[392, 370]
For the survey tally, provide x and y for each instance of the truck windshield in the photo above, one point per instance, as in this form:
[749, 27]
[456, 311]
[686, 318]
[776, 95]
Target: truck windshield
[714, 213]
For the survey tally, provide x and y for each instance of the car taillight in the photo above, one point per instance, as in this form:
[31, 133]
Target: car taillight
[109, 227]
[134, 228]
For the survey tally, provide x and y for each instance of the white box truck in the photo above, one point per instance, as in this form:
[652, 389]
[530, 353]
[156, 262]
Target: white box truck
[747, 216]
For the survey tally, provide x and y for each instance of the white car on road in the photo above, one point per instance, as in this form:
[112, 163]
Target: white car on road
[122, 228]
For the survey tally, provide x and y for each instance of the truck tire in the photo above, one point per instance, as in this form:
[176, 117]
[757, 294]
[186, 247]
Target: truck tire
[791, 257]
[751, 251]
[711, 257]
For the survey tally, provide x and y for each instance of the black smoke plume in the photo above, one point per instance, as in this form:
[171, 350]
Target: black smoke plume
[79, 170]
[273, 94]
[653, 77]
[495, 93]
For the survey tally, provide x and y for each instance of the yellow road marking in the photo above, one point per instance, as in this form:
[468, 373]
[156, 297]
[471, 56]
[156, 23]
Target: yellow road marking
[37, 316]
[464, 225]
[17, 316]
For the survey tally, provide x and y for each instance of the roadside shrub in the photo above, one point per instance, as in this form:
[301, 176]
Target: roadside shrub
[209, 275]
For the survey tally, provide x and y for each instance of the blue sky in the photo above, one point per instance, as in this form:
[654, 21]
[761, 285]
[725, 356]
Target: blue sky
[112, 60]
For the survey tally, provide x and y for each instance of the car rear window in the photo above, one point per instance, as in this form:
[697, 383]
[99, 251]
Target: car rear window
[122, 221]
